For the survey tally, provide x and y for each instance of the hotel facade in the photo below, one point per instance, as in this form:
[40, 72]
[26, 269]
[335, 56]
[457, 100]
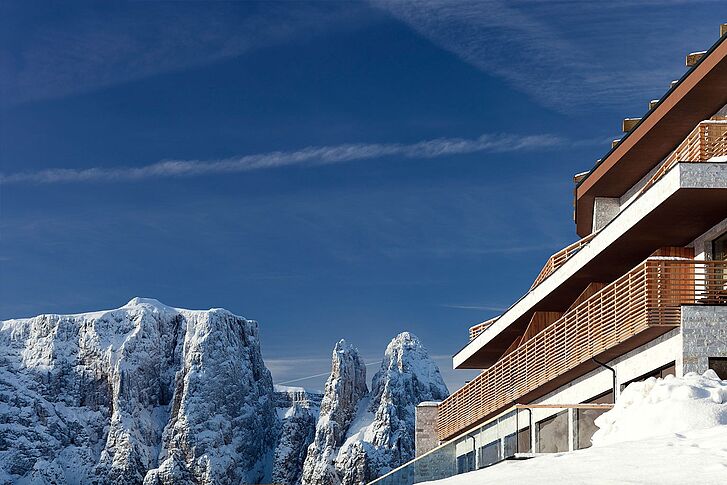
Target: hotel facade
[643, 293]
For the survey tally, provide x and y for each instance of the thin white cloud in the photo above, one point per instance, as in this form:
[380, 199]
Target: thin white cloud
[477, 307]
[307, 156]
[566, 55]
[87, 49]
[315, 376]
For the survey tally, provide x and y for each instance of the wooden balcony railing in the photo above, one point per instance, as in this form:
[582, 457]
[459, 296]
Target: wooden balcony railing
[475, 330]
[557, 260]
[707, 140]
[649, 295]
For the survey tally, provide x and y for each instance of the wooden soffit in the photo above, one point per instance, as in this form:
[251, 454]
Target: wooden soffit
[700, 93]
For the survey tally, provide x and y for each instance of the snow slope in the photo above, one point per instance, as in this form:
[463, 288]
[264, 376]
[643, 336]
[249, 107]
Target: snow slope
[692, 457]
[659, 406]
[661, 431]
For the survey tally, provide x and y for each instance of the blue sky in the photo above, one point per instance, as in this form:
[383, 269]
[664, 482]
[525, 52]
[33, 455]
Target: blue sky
[333, 170]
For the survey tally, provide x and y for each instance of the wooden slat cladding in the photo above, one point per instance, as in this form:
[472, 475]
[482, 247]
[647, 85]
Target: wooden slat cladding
[590, 290]
[557, 259]
[475, 330]
[674, 253]
[707, 140]
[649, 295]
[538, 322]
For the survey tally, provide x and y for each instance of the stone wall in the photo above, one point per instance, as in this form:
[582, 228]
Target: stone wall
[704, 335]
[604, 210]
[425, 435]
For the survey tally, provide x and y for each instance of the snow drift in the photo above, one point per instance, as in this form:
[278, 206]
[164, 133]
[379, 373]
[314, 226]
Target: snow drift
[656, 407]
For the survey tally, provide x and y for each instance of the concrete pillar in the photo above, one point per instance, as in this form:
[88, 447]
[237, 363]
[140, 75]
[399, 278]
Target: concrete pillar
[571, 429]
[425, 428]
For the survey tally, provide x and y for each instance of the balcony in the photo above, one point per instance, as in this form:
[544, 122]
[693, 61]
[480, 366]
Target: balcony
[475, 330]
[557, 260]
[707, 140]
[644, 302]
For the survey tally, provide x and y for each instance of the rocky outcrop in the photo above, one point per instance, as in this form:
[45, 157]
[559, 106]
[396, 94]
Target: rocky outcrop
[344, 390]
[374, 433]
[407, 377]
[298, 411]
[144, 393]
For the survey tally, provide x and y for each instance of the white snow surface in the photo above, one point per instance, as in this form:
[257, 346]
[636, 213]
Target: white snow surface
[661, 431]
[659, 406]
[693, 457]
[718, 158]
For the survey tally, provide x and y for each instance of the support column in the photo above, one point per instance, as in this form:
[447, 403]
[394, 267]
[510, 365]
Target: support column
[425, 428]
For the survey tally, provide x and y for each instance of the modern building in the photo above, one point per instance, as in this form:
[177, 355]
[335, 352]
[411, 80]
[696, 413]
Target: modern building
[643, 292]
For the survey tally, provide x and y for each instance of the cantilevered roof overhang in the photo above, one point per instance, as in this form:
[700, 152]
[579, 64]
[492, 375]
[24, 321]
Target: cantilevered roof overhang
[700, 93]
[686, 202]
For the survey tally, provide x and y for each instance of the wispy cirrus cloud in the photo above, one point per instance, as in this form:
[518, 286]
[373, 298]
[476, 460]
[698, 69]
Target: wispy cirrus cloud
[566, 54]
[73, 49]
[427, 149]
[490, 308]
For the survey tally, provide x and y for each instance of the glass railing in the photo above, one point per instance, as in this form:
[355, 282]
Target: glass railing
[555, 428]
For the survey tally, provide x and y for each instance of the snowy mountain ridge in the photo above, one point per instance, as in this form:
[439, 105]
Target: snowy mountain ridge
[378, 429]
[124, 396]
[156, 395]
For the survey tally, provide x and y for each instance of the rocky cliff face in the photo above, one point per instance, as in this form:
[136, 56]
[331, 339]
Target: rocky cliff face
[407, 376]
[344, 390]
[142, 394]
[375, 434]
[298, 412]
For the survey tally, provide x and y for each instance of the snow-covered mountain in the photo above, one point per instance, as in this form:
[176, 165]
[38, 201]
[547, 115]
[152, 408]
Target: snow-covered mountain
[147, 394]
[345, 388]
[371, 433]
[298, 412]
[144, 393]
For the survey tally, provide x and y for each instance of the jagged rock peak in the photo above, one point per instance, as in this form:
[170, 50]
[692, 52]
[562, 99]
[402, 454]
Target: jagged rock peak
[344, 390]
[407, 377]
[407, 363]
[358, 441]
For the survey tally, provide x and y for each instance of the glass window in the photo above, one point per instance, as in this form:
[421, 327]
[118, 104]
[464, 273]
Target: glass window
[670, 370]
[719, 248]
[662, 372]
[719, 365]
[552, 433]
[466, 462]
[523, 440]
[584, 426]
[519, 443]
[490, 453]
[718, 289]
